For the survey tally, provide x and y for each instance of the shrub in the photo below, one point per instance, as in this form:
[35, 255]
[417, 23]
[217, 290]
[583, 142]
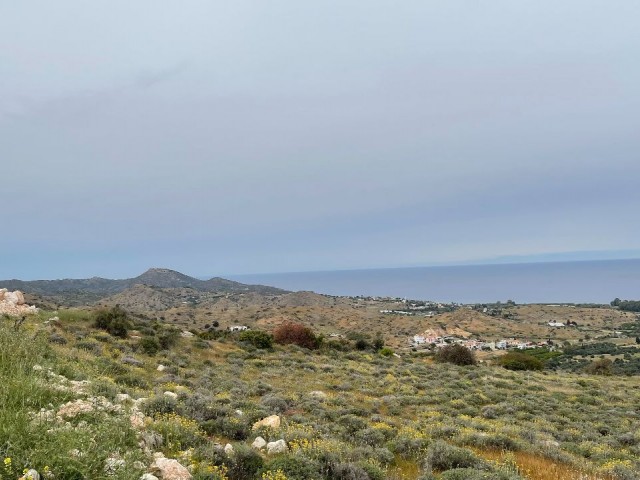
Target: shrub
[159, 405]
[601, 366]
[294, 467]
[179, 433]
[456, 354]
[256, 338]
[168, 339]
[520, 361]
[386, 352]
[275, 403]
[296, 334]
[245, 463]
[442, 456]
[231, 427]
[115, 321]
[348, 471]
[150, 345]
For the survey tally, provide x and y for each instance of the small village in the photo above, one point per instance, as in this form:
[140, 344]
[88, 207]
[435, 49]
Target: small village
[433, 340]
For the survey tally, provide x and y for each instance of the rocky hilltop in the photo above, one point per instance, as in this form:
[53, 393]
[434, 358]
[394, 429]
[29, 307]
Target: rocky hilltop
[91, 290]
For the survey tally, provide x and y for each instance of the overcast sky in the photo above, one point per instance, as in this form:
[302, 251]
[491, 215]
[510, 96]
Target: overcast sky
[282, 135]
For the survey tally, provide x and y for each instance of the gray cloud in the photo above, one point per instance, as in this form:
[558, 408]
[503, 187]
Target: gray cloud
[272, 136]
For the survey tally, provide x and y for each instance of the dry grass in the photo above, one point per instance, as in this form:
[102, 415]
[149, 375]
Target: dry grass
[536, 467]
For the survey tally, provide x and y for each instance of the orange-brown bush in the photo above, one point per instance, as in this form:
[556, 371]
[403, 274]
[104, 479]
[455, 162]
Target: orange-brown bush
[297, 334]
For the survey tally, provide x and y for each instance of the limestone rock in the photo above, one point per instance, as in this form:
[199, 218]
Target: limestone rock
[319, 394]
[171, 395]
[272, 421]
[12, 303]
[113, 464]
[161, 368]
[228, 449]
[259, 443]
[279, 446]
[169, 469]
[31, 475]
[14, 298]
[148, 476]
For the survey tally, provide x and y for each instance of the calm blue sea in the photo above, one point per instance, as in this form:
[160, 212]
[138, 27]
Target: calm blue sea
[556, 282]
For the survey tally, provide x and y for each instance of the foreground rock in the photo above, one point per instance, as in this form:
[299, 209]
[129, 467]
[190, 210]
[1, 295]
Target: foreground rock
[273, 422]
[279, 446]
[12, 303]
[259, 443]
[169, 469]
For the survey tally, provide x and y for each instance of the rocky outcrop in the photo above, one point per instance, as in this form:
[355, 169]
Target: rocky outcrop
[12, 303]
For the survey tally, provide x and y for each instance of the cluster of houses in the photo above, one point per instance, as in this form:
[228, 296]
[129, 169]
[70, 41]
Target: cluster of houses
[438, 341]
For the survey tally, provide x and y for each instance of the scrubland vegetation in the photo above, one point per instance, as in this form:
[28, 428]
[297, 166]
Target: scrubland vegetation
[346, 413]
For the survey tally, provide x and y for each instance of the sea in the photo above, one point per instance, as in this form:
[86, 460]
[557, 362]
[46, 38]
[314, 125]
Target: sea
[550, 282]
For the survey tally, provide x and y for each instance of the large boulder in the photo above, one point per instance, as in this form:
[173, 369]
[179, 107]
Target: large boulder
[279, 446]
[169, 469]
[273, 422]
[14, 298]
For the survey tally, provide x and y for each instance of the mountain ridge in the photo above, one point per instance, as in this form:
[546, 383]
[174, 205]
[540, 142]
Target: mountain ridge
[90, 290]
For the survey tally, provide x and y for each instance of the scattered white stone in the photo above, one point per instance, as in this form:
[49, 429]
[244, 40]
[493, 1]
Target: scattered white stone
[113, 464]
[148, 476]
[319, 394]
[37, 368]
[171, 395]
[228, 449]
[259, 443]
[161, 368]
[31, 475]
[272, 421]
[279, 446]
[239, 413]
[122, 397]
[186, 334]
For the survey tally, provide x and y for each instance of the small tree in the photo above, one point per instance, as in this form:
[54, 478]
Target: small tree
[601, 366]
[297, 334]
[114, 320]
[456, 354]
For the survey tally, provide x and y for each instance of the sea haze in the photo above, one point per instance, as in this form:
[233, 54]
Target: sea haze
[553, 282]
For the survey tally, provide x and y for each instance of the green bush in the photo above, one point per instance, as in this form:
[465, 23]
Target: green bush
[441, 456]
[456, 354]
[257, 338]
[244, 464]
[150, 345]
[114, 320]
[520, 361]
[294, 467]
